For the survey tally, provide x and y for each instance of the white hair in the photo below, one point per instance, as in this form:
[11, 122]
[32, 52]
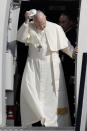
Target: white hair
[39, 13]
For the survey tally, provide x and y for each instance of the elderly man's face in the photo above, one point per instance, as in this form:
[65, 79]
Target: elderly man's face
[40, 22]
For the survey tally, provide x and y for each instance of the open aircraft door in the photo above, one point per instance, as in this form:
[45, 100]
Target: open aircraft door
[5, 38]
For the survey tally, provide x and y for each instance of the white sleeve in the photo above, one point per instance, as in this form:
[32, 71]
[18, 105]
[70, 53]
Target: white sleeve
[23, 32]
[67, 51]
[71, 48]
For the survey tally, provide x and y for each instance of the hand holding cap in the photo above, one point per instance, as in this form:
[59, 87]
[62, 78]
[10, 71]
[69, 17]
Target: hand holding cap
[29, 14]
[32, 12]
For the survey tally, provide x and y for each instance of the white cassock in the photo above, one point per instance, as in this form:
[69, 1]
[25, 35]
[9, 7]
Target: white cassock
[43, 90]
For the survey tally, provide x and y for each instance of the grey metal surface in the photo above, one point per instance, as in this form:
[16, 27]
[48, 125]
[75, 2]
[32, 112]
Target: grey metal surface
[36, 129]
[5, 4]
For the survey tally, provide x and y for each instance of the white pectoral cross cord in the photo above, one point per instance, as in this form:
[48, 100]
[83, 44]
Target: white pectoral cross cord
[42, 36]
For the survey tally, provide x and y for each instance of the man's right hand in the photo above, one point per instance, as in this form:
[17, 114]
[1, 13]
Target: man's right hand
[27, 14]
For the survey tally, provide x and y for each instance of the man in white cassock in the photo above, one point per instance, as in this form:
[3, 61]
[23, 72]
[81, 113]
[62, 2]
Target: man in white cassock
[43, 91]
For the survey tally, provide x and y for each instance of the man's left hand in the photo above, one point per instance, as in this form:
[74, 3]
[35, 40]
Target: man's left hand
[75, 52]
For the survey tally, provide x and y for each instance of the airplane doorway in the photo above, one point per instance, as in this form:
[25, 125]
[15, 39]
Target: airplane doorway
[52, 9]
